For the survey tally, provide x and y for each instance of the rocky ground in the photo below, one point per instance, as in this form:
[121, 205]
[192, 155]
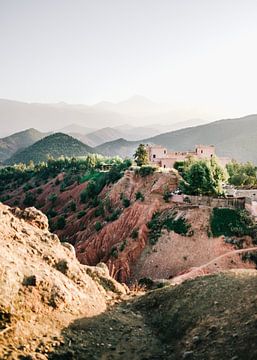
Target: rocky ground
[42, 284]
[214, 317]
[134, 258]
[53, 307]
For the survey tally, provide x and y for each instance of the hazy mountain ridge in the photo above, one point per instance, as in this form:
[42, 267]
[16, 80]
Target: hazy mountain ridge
[15, 142]
[55, 145]
[235, 138]
[16, 115]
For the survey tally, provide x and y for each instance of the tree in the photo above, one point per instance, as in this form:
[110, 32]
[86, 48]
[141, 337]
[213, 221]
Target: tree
[141, 155]
[203, 177]
[242, 174]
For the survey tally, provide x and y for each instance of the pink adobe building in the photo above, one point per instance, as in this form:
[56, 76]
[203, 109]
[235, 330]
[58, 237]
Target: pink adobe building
[159, 155]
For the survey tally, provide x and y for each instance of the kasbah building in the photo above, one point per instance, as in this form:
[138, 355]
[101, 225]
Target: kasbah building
[160, 156]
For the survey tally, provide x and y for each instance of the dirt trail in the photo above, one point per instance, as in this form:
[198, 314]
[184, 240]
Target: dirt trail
[202, 270]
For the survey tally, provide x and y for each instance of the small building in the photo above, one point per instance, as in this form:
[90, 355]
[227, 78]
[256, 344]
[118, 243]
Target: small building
[161, 156]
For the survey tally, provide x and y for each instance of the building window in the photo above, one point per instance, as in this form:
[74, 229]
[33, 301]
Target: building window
[164, 166]
[201, 151]
[154, 156]
[164, 151]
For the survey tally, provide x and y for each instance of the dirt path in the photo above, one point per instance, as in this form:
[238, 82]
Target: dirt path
[201, 270]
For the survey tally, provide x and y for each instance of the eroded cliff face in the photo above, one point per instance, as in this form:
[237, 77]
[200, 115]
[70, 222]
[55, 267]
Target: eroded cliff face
[42, 284]
[114, 230]
[114, 243]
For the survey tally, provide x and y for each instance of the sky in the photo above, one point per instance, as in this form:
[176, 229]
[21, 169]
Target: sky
[192, 54]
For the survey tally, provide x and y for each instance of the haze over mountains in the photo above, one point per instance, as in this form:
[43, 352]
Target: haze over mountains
[136, 111]
[235, 138]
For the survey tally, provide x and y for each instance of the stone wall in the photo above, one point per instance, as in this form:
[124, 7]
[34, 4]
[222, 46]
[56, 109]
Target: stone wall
[234, 203]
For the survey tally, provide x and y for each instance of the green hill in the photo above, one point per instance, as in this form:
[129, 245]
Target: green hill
[236, 138]
[54, 145]
[13, 143]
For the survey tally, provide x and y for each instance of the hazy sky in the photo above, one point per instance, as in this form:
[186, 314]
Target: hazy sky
[198, 54]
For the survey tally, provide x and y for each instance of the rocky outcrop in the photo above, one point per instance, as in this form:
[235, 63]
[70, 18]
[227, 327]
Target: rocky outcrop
[42, 284]
[114, 243]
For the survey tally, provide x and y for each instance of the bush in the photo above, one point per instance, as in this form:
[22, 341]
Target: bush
[134, 234]
[140, 196]
[114, 252]
[123, 245]
[126, 202]
[99, 211]
[98, 226]
[114, 216]
[52, 197]
[39, 191]
[166, 221]
[61, 223]
[230, 222]
[81, 214]
[30, 199]
[146, 170]
[166, 196]
[51, 213]
[27, 187]
[73, 206]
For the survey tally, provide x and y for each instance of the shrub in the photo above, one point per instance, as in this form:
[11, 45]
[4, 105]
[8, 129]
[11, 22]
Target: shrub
[39, 191]
[146, 170]
[99, 211]
[73, 206]
[51, 213]
[114, 252]
[61, 223]
[140, 196]
[123, 245]
[126, 202]
[81, 214]
[147, 282]
[30, 199]
[98, 226]
[52, 197]
[114, 216]
[166, 196]
[230, 222]
[27, 187]
[134, 234]
[167, 221]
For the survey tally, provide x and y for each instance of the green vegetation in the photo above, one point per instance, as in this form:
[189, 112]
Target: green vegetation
[98, 226]
[123, 245]
[134, 234]
[30, 199]
[145, 170]
[54, 146]
[166, 195]
[240, 174]
[114, 215]
[61, 223]
[202, 177]
[81, 214]
[126, 202]
[97, 183]
[141, 155]
[166, 220]
[230, 222]
[52, 197]
[114, 252]
[139, 196]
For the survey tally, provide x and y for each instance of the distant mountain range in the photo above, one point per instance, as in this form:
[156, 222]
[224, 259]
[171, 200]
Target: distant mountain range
[235, 138]
[135, 111]
[13, 143]
[55, 145]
